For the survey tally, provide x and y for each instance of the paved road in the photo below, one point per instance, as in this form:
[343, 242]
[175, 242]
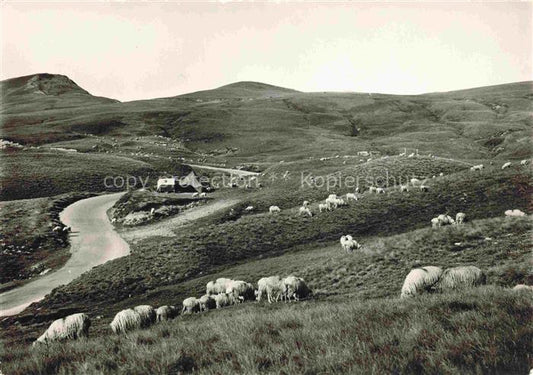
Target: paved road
[93, 242]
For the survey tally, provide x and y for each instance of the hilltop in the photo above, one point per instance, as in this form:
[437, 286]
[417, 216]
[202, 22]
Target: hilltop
[260, 122]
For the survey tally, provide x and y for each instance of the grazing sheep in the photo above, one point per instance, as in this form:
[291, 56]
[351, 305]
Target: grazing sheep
[240, 291]
[372, 189]
[203, 195]
[424, 188]
[445, 220]
[126, 320]
[295, 287]
[514, 212]
[195, 195]
[415, 181]
[349, 244]
[218, 286]
[460, 278]
[420, 280]
[523, 287]
[323, 207]
[190, 305]
[147, 313]
[341, 202]
[305, 211]
[380, 190]
[478, 167]
[67, 229]
[71, 327]
[506, 165]
[249, 208]
[305, 203]
[351, 196]
[274, 209]
[411, 155]
[523, 162]
[404, 188]
[222, 300]
[165, 313]
[207, 302]
[272, 286]
[460, 218]
[435, 222]
[56, 229]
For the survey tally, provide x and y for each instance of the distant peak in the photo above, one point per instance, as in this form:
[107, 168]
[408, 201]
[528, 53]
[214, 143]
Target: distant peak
[255, 86]
[52, 84]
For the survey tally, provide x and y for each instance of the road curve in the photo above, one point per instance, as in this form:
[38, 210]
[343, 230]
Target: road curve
[93, 242]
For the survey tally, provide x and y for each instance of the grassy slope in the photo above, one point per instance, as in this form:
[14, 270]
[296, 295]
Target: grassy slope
[39, 173]
[157, 262]
[356, 324]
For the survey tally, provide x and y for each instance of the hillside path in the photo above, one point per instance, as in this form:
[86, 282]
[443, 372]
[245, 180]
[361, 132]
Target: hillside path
[93, 242]
[166, 228]
[237, 172]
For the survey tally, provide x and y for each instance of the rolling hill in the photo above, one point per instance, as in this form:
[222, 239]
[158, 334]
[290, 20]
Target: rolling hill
[266, 123]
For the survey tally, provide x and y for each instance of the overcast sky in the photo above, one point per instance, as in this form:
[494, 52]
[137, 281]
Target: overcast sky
[138, 50]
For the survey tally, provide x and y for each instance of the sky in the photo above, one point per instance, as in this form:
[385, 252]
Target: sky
[142, 50]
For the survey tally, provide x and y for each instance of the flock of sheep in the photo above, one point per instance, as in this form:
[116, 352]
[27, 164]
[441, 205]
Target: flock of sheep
[224, 292]
[220, 293]
[433, 279]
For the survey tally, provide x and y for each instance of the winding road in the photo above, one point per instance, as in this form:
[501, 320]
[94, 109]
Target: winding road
[93, 242]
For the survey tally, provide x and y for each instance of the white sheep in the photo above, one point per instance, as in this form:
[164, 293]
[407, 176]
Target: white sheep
[411, 155]
[460, 278]
[424, 188]
[56, 229]
[190, 305]
[523, 287]
[72, 327]
[125, 320]
[203, 195]
[207, 302]
[349, 244]
[323, 207]
[372, 189]
[195, 195]
[380, 190]
[404, 188]
[305, 211]
[67, 229]
[305, 203]
[295, 287]
[506, 165]
[165, 313]
[478, 167]
[249, 208]
[445, 220]
[441, 174]
[435, 222]
[420, 280]
[274, 209]
[272, 286]
[240, 291]
[460, 218]
[147, 313]
[351, 196]
[218, 286]
[415, 181]
[222, 300]
[524, 162]
[514, 212]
